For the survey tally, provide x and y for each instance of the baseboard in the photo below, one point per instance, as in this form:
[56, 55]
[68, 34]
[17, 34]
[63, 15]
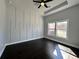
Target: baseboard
[22, 41]
[16, 43]
[64, 43]
[2, 51]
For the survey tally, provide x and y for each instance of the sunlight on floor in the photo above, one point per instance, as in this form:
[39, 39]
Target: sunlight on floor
[66, 49]
[61, 52]
[67, 56]
[55, 52]
[67, 53]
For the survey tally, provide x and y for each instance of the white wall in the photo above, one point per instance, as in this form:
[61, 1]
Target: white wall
[2, 25]
[24, 21]
[73, 27]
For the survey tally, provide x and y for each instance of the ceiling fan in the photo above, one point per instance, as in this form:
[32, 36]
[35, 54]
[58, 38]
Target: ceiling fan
[42, 2]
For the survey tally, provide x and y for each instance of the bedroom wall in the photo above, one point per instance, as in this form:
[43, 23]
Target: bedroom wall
[2, 25]
[73, 27]
[24, 21]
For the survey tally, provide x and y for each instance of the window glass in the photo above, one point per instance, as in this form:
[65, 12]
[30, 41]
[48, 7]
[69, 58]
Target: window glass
[61, 29]
[51, 29]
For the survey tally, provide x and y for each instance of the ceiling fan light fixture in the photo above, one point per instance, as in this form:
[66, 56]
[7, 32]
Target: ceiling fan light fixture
[42, 3]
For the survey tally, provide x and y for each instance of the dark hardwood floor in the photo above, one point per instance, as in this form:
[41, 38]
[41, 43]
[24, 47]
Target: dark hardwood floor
[36, 49]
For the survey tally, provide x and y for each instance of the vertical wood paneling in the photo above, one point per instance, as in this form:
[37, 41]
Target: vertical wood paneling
[2, 25]
[25, 23]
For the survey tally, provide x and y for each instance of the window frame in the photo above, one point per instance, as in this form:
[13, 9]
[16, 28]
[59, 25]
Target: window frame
[55, 36]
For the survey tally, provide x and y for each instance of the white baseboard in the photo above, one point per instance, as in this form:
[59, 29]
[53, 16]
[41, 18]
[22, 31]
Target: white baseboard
[63, 42]
[2, 51]
[23, 41]
[18, 42]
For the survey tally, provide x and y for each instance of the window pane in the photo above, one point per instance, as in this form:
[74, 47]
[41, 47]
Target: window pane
[61, 29]
[51, 29]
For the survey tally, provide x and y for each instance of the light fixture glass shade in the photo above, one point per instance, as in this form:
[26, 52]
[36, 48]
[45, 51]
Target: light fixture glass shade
[42, 4]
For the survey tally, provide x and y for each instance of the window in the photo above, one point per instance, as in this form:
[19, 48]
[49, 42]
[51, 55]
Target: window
[51, 29]
[61, 29]
[58, 29]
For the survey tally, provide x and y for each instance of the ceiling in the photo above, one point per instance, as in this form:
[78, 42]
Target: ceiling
[58, 2]
[54, 3]
[42, 10]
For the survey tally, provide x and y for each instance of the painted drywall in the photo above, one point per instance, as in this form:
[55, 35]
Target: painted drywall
[73, 27]
[2, 25]
[24, 21]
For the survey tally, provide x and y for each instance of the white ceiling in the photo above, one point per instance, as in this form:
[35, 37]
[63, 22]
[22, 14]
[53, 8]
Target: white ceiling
[55, 3]
[43, 9]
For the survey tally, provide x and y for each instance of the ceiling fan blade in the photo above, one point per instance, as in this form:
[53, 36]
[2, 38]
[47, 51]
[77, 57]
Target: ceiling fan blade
[42, 0]
[48, 1]
[37, 1]
[45, 5]
[39, 6]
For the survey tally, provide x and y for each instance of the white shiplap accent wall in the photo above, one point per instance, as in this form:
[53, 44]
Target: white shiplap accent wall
[2, 25]
[24, 21]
